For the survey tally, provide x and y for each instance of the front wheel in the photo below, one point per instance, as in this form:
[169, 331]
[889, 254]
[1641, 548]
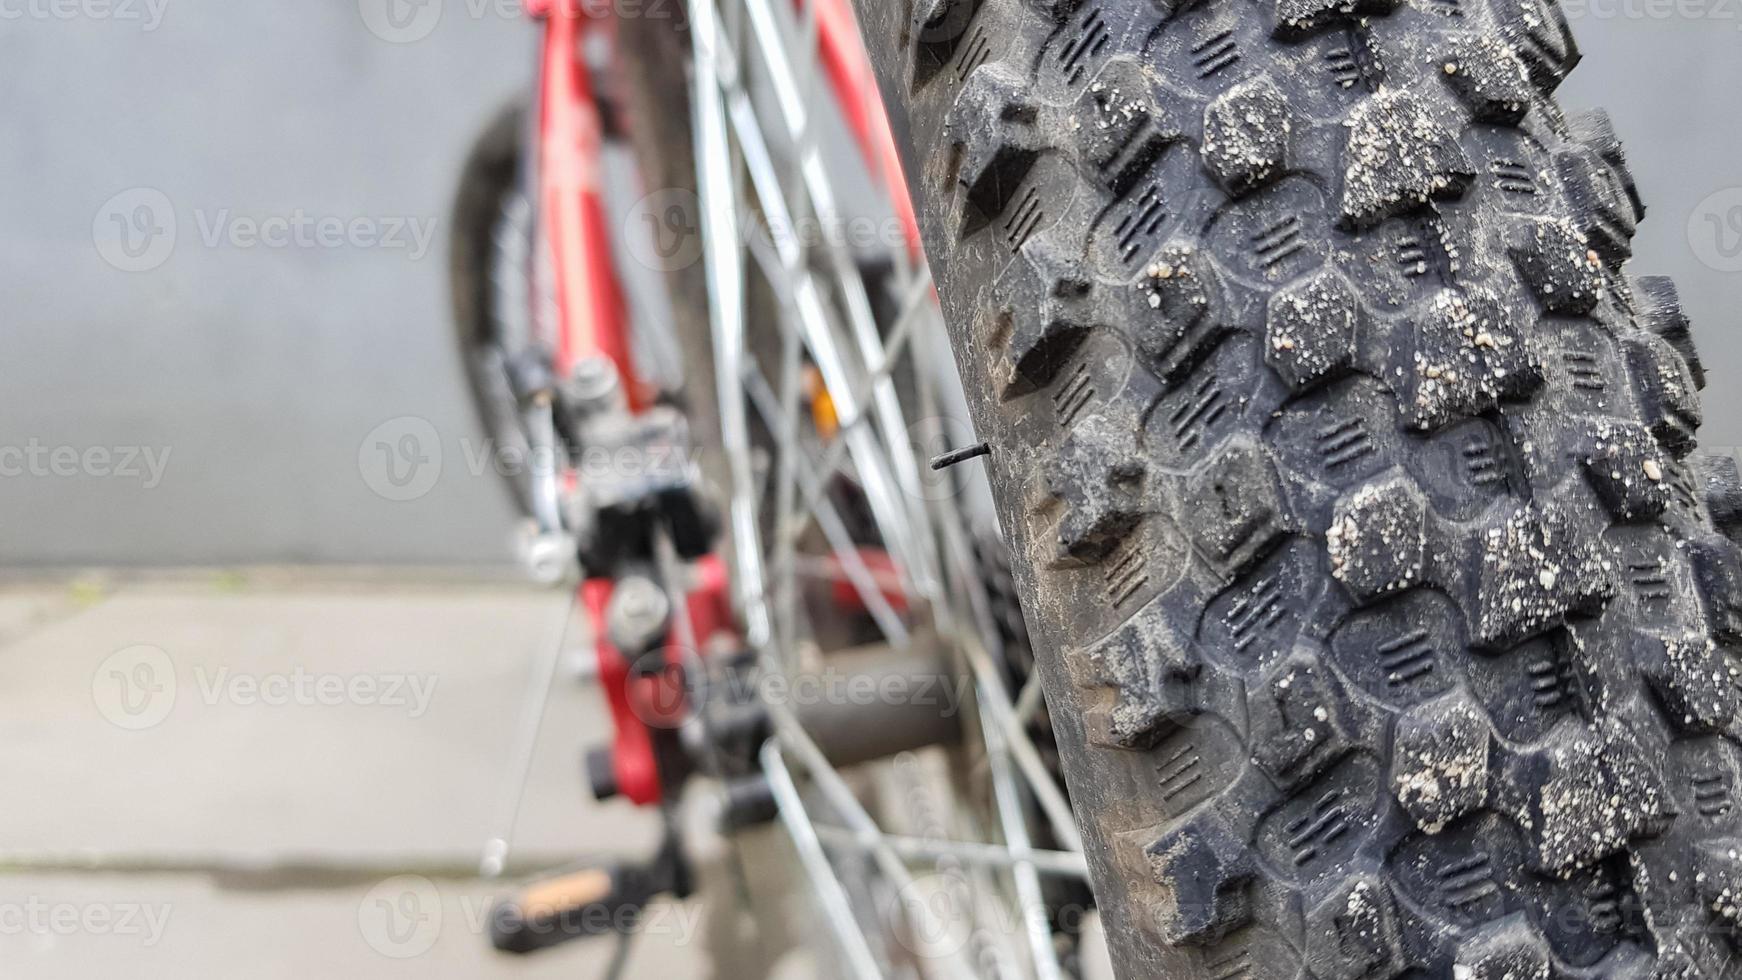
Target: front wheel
[1373, 575]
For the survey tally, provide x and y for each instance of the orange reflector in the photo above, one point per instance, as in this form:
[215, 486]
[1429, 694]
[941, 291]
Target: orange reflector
[822, 406]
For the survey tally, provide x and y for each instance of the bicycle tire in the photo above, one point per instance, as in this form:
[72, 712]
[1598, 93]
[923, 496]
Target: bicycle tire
[490, 283]
[1385, 610]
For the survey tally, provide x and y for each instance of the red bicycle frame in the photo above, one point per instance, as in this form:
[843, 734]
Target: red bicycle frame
[590, 312]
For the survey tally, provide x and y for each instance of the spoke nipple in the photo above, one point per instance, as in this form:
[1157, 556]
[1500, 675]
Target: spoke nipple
[955, 456]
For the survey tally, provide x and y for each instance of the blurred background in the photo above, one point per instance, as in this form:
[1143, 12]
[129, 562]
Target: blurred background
[253, 370]
[224, 252]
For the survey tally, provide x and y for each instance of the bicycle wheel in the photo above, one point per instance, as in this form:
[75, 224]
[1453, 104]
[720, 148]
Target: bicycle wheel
[1377, 588]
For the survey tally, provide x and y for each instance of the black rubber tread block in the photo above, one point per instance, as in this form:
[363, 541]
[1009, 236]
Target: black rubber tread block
[1537, 31]
[1398, 155]
[1209, 867]
[1100, 477]
[1246, 133]
[1358, 932]
[1596, 130]
[1171, 310]
[1468, 353]
[998, 141]
[1489, 78]
[1058, 288]
[1696, 680]
[1235, 506]
[1311, 328]
[1152, 676]
[1669, 401]
[938, 30]
[1300, 18]
[1660, 311]
[1720, 487]
[1628, 468]
[1600, 190]
[1557, 263]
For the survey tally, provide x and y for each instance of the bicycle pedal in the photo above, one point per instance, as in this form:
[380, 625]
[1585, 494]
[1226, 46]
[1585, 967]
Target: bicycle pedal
[593, 901]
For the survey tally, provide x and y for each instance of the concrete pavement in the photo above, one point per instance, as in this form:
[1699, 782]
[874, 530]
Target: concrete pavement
[321, 734]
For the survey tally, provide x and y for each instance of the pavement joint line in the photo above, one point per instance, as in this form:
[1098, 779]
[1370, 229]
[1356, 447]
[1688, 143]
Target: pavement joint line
[63, 608]
[284, 872]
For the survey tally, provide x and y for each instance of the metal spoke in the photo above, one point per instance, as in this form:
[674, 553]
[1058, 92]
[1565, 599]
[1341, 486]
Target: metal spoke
[725, 274]
[1028, 702]
[1065, 864]
[837, 908]
[790, 96]
[812, 313]
[1041, 782]
[791, 734]
[779, 417]
[915, 304]
[915, 301]
[806, 40]
[840, 541]
[1002, 712]
[786, 482]
[827, 315]
[1030, 905]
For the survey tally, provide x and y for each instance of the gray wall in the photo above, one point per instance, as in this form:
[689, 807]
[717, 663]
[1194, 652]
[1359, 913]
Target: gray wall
[262, 370]
[259, 369]
[1668, 72]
